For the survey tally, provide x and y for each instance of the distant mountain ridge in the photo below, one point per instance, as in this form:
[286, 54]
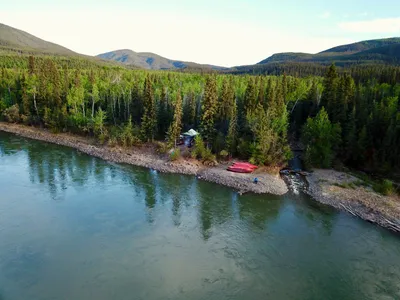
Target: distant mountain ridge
[382, 50]
[152, 61]
[15, 39]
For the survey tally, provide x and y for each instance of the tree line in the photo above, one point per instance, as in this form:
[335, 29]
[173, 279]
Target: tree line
[353, 120]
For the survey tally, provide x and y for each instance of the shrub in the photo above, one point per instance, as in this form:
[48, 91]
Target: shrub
[385, 187]
[175, 154]
[223, 154]
[161, 148]
[199, 148]
[127, 136]
[201, 152]
[209, 158]
[11, 114]
[321, 138]
[3, 106]
[112, 142]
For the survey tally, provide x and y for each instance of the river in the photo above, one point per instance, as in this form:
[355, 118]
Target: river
[76, 227]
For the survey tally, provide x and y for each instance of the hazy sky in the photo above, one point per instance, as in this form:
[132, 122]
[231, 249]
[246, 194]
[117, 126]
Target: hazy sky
[217, 32]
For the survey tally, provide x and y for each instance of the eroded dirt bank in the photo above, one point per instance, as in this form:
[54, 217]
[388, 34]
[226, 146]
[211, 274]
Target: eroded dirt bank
[347, 192]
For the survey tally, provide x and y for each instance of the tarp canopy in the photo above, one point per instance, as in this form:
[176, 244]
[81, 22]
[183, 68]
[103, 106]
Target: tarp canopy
[191, 133]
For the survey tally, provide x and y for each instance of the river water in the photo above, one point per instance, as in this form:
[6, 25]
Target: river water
[76, 227]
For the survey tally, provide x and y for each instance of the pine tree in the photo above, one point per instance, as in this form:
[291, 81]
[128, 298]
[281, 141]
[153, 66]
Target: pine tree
[209, 110]
[321, 138]
[175, 128]
[329, 94]
[232, 130]
[31, 65]
[250, 98]
[149, 118]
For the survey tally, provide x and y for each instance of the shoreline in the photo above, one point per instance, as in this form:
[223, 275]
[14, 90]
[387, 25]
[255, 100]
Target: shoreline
[330, 187]
[243, 183]
[324, 186]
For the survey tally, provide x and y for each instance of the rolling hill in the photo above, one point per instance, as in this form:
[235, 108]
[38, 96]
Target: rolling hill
[19, 43]
[12, 39]
[381, 51]
[148, 60]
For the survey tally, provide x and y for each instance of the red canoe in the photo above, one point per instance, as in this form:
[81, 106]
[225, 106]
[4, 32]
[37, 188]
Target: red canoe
[244, 165]
[240, 169]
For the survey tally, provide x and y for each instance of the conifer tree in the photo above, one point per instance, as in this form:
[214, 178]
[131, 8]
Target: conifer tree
[149, 118]
[321, 138]
[250, 98]
[329, 94]
[232, 130]
[209, 110]
[175, 128]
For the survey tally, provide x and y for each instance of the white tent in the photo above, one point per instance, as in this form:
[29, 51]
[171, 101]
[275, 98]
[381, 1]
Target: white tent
[191, 133]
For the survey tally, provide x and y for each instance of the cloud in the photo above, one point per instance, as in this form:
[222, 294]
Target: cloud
[388, 25]
[325, 15]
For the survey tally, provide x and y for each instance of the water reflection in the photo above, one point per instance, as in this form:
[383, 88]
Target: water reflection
[127, 231]
[256, 212]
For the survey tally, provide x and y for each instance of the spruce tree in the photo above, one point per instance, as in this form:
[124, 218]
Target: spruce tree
[209, 110]
[175, 128]
[329, 94]
[232, 130]
[149, 118]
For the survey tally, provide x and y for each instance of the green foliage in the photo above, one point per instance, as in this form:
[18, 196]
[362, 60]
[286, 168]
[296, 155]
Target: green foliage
[209, 109]
[384, 187]
[149, 118]
[199, 149]
[175, 154]
[11, 114]
[175, 128]
[321, 139]
[127, 136]
[161, 147]
[269, 129]
[99, 128]
[223, 154]
[247, 116]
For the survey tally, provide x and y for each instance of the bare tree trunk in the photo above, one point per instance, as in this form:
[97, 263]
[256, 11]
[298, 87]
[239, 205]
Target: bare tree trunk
[92, 107]
[35, 105]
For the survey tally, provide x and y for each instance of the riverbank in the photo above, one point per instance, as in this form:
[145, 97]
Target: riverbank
[148, 158]
[349, 193]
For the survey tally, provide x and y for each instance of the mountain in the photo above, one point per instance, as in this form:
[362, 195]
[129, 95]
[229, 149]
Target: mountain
[15, 40]
[148, 60]
[377, 51]
[380, 51]
[363, 46]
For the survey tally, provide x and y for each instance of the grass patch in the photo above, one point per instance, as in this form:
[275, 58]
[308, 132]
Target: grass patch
[346, 185]
[384, 187]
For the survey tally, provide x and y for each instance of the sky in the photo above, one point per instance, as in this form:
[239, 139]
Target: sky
[218, 32]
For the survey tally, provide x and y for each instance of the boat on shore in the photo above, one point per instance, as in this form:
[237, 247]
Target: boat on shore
[242, 167]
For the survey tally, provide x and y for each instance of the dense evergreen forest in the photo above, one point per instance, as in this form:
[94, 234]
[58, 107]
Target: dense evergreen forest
[343, 118]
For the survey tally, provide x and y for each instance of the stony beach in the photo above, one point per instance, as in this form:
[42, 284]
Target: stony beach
[143, 157]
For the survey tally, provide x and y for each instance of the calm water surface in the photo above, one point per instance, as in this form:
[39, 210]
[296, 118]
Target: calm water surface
[76, 227]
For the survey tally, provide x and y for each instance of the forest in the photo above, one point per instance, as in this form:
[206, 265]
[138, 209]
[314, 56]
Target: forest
[344, 118]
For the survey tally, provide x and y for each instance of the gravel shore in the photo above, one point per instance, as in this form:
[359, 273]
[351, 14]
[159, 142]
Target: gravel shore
[140, 156]
[329, 187]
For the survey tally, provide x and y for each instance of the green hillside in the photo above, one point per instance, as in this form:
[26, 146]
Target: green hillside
[15, 40]
[363, 46]
[372, 51]
[151, 61]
